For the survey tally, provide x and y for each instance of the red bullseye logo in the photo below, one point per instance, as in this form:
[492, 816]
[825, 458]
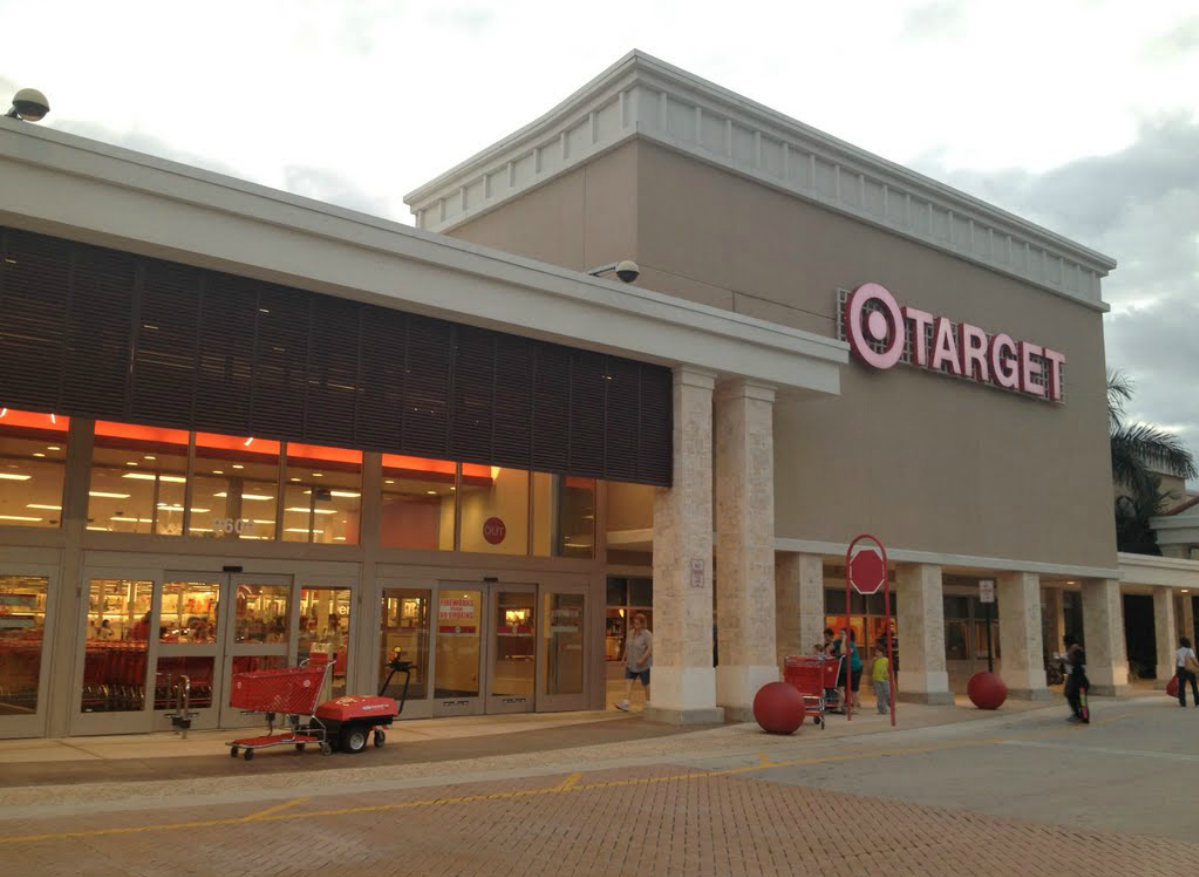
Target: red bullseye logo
[494, 531]
[881, 325]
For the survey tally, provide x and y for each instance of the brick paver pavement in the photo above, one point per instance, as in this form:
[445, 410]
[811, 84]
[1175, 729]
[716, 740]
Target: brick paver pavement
[662, 820]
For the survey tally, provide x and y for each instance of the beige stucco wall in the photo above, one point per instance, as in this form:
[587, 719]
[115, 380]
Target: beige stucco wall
[924, 462]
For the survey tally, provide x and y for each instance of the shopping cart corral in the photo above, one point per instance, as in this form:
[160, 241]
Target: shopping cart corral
[345, 723]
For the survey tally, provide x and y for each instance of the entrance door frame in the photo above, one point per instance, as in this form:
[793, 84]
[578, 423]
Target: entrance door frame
[298, 574]
[34, 725]
[560, 702]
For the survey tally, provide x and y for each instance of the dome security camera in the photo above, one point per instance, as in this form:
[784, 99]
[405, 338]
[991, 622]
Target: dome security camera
[29, 105]
[627, 271]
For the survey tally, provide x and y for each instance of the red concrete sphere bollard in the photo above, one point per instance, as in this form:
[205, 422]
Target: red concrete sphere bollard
[986, 691]
[778, 708]
[1172, 686]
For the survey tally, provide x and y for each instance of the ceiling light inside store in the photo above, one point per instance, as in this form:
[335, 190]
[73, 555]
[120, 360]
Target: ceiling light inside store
[47, 508]
[339, 538]
[346, 494]
[20, 518]
[100, 529]
[218, 471]
[389, 482]
[318, 474]
[101, 494]
[150, 476]
[238, 466]
[53, 448]
[38, 454]
[148, 457]
[9, 476]
[301, 530]
[431, 492]
[305, 511]
[123, 520]
[131, 463]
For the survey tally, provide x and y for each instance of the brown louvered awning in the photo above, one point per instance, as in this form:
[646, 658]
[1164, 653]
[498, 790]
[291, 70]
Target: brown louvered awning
[93, 332]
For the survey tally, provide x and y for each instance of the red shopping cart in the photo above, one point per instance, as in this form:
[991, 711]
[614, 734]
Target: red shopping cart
[816, 680]
[292, 693]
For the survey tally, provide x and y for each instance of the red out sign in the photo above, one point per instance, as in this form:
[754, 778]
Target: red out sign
[878, 329]
[494, 530]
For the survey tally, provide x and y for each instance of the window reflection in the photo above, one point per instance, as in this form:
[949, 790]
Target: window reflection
[33, 453]
[495, 510]
[325, 629]
[262, 613]
[418, 503]
[405, 628]
[236, 487]
[189, 612]
[139, 479]
[22, 631]
[322, 499]
[118, 631]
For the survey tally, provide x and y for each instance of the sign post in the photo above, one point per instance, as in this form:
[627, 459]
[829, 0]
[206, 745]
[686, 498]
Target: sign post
[866, 573]
[986, 596]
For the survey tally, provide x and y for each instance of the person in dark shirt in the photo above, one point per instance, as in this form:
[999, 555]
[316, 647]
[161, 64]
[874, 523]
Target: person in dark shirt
[1077, 683]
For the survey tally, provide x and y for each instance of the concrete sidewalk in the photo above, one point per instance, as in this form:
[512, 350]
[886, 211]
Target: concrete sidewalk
[481, 748]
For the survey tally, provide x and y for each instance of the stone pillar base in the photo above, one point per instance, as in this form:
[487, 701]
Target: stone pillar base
[1164, 674]
[1034, 694]
[932, 698]
[1111, 690]
[667, 716]
[736, 687]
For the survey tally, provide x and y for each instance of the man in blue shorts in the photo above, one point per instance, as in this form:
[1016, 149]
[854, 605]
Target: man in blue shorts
[638, 658]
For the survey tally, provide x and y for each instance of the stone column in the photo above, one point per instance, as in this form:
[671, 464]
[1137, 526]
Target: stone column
[799, 602]
[1018, 595]
[1165, 633]
[1103, 636]
[745, 583]
[920, 625]
[683, 689]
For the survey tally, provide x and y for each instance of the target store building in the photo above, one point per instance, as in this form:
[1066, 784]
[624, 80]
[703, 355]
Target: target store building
[238, 426]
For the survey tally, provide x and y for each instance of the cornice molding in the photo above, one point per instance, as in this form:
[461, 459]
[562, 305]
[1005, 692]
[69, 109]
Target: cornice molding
[642, 97]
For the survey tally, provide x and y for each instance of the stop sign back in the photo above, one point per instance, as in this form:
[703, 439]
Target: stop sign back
[866, 571]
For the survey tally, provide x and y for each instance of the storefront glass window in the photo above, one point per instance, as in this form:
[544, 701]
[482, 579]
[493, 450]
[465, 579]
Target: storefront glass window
[325, 629]
[406, 630]
[563, 631]
[563, 516]
[22, 631]
[626, 597]
[262, 613]
[322, 499]
[189, 612]
[118, 632]
[171, 671]
[459, 638]
[514, 667]
[33, 454]
[235, 487]
[955, 641]
[139, 479]
[495, 510]
[418, 503]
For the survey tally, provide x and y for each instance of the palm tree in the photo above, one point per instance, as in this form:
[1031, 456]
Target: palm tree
[1139, 452]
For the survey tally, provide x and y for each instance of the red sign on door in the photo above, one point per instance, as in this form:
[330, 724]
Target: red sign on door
[494, 530]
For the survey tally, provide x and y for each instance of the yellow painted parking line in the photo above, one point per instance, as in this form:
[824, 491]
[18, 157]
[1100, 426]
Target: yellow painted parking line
[570, 785]
[270, 811]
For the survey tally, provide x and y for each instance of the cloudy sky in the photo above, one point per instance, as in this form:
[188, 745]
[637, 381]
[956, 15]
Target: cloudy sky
[1078, 114]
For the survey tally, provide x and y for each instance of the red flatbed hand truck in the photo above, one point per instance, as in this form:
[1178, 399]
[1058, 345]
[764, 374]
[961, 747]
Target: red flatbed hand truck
[345, 722]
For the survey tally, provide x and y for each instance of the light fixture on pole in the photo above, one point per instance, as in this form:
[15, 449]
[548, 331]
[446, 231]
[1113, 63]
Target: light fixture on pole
[626, 270]
[29, 105]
